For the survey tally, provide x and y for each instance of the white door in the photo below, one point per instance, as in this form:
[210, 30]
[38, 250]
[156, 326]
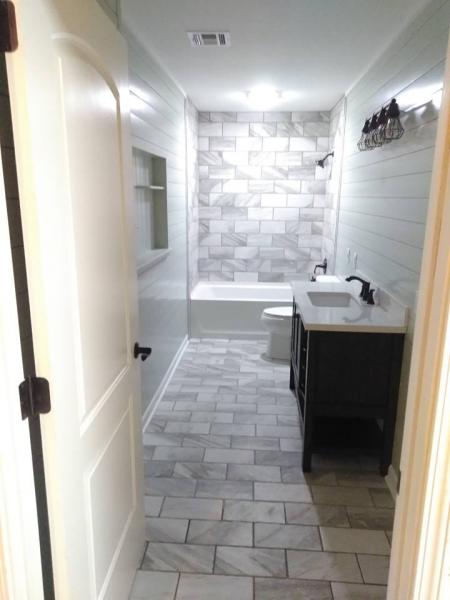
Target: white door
[69, 93]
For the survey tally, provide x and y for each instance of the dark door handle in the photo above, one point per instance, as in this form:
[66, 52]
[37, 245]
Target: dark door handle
[141, 350]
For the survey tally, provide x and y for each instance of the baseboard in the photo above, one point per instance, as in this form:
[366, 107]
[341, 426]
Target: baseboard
[150, 410]
[391, 480]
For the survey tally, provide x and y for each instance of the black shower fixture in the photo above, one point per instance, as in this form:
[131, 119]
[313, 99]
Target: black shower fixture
[321, 162]
[382, 128]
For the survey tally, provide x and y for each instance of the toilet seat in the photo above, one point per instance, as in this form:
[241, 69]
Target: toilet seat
[280, 312]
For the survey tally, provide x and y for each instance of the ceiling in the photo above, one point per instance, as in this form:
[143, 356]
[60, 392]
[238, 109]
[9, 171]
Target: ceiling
[311, 50]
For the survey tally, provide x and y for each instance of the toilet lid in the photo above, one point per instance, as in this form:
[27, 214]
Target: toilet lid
[279, 311]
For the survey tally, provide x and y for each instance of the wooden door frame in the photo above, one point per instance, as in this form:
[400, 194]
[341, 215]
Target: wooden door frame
[419, 561]
[20, 559]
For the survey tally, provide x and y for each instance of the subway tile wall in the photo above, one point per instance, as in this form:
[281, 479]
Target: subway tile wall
[261, 196]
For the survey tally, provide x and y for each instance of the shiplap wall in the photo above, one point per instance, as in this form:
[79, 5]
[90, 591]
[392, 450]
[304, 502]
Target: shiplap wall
[158, 127]
[384, 193]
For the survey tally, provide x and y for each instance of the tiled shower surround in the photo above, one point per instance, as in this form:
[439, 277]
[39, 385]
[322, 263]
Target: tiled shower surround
[261, 196]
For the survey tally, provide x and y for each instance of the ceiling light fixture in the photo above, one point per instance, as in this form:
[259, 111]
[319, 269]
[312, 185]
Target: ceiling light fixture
[263, 97]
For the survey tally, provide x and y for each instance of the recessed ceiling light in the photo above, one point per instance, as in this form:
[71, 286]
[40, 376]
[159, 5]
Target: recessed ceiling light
[263, 97]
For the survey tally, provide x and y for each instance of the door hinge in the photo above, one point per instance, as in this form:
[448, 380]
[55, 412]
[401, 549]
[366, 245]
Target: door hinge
[8, 27]
[399, 479]
[34, 395]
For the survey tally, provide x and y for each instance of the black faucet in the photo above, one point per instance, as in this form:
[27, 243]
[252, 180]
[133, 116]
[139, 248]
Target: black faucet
[366, 293]
[322, 266]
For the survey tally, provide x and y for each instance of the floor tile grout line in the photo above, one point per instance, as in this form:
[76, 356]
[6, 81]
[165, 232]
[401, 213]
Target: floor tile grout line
[177, 586]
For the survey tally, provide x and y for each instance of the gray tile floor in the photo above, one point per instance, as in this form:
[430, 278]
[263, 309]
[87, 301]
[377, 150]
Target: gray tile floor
[229, 511]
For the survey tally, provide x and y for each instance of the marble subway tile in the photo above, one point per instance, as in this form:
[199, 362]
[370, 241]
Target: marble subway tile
[337, 539]
[178, 454]
[274, 200]
[210, 158]
[229, 456]
[302, 173]
[262, 239]
[296, 537]
[328, 566]
[254, 443]
[281, 459]
[289, 130]
[261, 186]
[228, 533]
[260, 214]
[250, 561]
[166, 530]
[245, 252]
[150, 585]
[223, 117]
[201, 470]
[152, 505]
[248, 172]
[287, 186]
[196, 587]
[277, 116]
[220, 144]
[207, 441]
[257, 159]
[182, 427]
[275, 144]
[236, 129]
[282, 492]
[169, 486]
[261, 512]
[221, 172]
[308, 116]
[344, 496]
[221, 226]
[192, 508]
[239, 490]
[236, 186]
[371, 518]
[178, 557]
[317, 129]
[210, 129]
[233, 240]
[253, 473]
[374, 569]
[354, 591]
[250, 117]
[267, 588]
[263, 129]
[249, 144]
[287, 159]
[312, 514]
[236, 158]
[246, 226]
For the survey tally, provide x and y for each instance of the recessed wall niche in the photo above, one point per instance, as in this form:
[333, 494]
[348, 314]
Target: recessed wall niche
[150, 192]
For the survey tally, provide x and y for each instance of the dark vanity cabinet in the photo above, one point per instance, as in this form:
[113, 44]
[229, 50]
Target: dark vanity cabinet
[345, 375]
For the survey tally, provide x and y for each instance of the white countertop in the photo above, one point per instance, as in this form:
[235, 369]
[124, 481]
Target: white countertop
[387, 317]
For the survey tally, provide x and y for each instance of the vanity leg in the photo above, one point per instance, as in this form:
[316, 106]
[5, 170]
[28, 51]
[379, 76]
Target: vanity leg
[307, 440]
[291, 379]
[391, 406]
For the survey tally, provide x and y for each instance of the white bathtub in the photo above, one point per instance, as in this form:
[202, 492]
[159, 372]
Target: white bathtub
[233, 310]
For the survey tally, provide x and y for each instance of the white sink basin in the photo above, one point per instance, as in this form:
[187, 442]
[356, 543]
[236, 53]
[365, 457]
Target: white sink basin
[331, 299]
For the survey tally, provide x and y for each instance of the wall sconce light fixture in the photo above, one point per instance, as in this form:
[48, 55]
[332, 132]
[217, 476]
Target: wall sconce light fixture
[382, 128]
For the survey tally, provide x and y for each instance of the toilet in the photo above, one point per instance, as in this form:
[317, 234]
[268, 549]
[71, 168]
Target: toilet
[278, 321]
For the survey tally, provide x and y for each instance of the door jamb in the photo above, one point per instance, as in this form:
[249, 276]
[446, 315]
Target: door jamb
[422, 517]
[19, 538]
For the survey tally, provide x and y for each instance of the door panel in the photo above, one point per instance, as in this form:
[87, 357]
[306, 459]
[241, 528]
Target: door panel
[70, 107]
[91, 111]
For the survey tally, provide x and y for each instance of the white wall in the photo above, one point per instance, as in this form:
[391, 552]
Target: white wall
[384, 194]
[158, 127]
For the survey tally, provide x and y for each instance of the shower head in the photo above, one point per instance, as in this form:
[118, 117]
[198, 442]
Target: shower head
[321, 162]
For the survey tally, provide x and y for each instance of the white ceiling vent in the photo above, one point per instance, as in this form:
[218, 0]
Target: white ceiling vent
[209, 38]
